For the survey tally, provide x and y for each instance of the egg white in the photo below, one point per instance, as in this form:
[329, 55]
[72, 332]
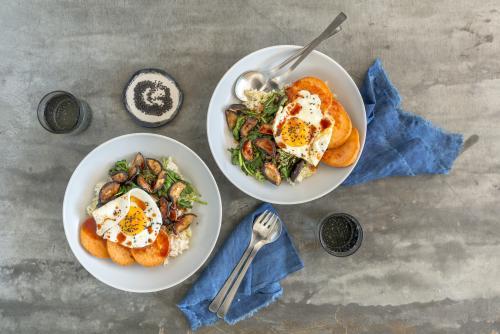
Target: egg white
[108, 218]
[311, 114]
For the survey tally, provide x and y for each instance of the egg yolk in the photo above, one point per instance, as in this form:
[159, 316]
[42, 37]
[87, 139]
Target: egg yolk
[295, 132]
[134, 222]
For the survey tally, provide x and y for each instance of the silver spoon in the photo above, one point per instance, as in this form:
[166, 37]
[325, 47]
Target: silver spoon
[274, 231]
[266, 229]
[269, 80]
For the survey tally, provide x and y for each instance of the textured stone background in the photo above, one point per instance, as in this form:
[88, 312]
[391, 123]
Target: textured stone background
[430, 261]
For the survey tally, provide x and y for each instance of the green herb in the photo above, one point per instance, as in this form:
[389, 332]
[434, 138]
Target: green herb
[285, 162]
[125, 188]
[235, 155]
[120, 166]
[148, 175]
[252, 168]
[239, 123]
[272, 105]
[188, 196]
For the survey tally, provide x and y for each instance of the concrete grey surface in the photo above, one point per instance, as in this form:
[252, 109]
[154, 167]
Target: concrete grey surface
[430, 260]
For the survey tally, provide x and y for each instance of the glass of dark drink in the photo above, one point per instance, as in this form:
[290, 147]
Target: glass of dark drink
[61, 112]
[340, 234]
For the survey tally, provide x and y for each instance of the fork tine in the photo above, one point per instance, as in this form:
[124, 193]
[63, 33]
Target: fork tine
[260, 217]
[275, 221]
[265, 219]
[270, 220]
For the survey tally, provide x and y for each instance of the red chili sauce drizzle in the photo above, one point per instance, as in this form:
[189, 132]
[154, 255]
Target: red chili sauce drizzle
[325, 123]
[121, 237]
[296, 109]
[138, 202]
[312, 128]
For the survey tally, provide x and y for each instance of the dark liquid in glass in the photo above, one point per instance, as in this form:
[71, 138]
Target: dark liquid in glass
[340, 234]
[61, 113]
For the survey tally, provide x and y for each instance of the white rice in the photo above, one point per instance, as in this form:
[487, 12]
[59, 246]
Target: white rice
[178, 243]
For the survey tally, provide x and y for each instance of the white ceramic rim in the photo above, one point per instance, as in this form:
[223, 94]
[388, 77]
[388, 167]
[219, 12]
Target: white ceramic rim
[212, 246]
[334, 186]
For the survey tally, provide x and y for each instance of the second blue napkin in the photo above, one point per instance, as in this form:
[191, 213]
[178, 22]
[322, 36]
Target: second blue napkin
[259, 288]
[399, 143]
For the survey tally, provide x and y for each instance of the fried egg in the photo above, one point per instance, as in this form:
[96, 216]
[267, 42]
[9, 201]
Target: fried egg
[133, 220]
[301, 129]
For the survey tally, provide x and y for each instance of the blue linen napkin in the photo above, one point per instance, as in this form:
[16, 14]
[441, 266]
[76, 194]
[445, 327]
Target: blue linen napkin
[259, 288]
[399, 143]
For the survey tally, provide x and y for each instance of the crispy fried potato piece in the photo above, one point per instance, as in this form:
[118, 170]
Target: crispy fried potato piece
[314, 86]
[344, 155]
[343, 126]
[92, 243]
[119, 254]
[154, 254]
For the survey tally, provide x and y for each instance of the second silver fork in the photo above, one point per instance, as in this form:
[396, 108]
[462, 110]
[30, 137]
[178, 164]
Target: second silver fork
[266, 225]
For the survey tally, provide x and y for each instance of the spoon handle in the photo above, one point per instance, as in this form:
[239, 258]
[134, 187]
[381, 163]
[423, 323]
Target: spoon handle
[324, 35]
[221, 313]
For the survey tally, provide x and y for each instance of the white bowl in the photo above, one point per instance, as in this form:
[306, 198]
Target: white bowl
[220, 139]
[93, 169]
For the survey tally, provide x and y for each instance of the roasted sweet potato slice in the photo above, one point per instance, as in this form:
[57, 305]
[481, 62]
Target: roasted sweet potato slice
[119, 254]
[154, 254]
[343, 126]
[314, 86]
[344, 155]
[89, 239]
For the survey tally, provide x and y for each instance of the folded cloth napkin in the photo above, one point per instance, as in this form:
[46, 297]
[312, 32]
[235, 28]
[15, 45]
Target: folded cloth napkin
[259, 288]
[397, 142]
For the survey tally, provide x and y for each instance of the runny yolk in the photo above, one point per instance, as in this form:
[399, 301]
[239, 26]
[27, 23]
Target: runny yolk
[134, 222]
[295, 132]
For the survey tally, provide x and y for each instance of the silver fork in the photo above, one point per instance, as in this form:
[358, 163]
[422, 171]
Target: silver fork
[266, 229]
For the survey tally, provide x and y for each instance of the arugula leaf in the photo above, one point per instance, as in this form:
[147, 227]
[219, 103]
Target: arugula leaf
[285, 162]
[120, 166]
[125, 188]
[252, 168]
[239, 123]
[272, 105]
[234, 155]
[148, 175]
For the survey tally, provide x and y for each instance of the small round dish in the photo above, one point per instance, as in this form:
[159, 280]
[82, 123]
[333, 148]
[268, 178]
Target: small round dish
[348, 238]
[152, 76]
[220, 139]
[93, 169]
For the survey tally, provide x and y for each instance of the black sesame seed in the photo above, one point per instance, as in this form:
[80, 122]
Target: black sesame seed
[145, 102]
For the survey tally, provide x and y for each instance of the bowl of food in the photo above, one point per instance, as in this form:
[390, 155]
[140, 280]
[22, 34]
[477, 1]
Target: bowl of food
[142, 212]
[293, 144]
